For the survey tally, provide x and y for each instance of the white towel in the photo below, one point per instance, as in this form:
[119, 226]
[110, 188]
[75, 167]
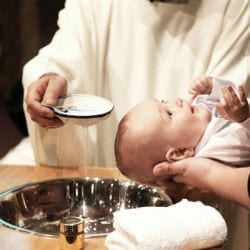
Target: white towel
[185, 225]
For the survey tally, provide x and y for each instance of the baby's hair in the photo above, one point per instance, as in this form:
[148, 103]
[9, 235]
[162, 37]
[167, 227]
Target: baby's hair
[138, 146]
[122, 128]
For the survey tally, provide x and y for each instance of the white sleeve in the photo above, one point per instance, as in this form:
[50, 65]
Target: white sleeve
[229, 57]
[72, 51]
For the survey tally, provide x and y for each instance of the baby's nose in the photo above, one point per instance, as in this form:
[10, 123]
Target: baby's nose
[179, 101]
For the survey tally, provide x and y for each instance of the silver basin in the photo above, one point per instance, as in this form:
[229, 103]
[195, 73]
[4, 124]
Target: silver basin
[37, 208]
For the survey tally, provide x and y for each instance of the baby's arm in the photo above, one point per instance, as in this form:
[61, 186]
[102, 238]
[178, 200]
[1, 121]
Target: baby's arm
[231, 106]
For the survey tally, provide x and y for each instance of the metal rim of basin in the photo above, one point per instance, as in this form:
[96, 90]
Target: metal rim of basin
[58, 198]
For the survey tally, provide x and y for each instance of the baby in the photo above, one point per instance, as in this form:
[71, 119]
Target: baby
[215, 124]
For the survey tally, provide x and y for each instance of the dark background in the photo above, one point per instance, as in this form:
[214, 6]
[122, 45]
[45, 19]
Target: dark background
[25, 27]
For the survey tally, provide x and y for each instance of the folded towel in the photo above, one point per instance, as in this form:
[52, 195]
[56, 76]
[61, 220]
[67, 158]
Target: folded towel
[185, 225]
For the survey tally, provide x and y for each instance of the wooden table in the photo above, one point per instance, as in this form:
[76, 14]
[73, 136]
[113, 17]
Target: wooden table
[11, 176]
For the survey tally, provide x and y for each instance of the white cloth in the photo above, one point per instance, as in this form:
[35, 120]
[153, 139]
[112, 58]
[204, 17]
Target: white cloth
[184, 226]
[223, 140]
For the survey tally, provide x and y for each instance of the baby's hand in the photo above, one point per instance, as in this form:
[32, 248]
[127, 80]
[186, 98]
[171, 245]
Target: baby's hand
[201, 85]
[232, 107]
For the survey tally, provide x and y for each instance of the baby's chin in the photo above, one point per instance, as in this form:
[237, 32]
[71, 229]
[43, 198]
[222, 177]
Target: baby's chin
[200, 109]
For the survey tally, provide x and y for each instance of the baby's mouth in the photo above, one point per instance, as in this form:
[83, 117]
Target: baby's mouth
[193, 109]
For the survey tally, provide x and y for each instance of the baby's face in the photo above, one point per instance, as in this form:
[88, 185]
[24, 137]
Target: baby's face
[156, 126]
[184, 124]
[177, 123]
[159, 126]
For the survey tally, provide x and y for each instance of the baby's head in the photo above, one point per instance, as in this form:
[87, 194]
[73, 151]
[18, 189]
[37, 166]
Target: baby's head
[155, 131]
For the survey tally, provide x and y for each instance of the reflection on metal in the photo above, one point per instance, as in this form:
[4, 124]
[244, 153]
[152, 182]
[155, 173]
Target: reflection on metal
[37, 208]
[72, 233]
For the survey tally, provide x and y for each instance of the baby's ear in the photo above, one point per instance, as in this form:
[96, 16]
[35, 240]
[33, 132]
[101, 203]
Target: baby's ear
[175, 154]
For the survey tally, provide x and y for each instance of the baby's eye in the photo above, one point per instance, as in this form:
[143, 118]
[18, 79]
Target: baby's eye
[169, 113]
